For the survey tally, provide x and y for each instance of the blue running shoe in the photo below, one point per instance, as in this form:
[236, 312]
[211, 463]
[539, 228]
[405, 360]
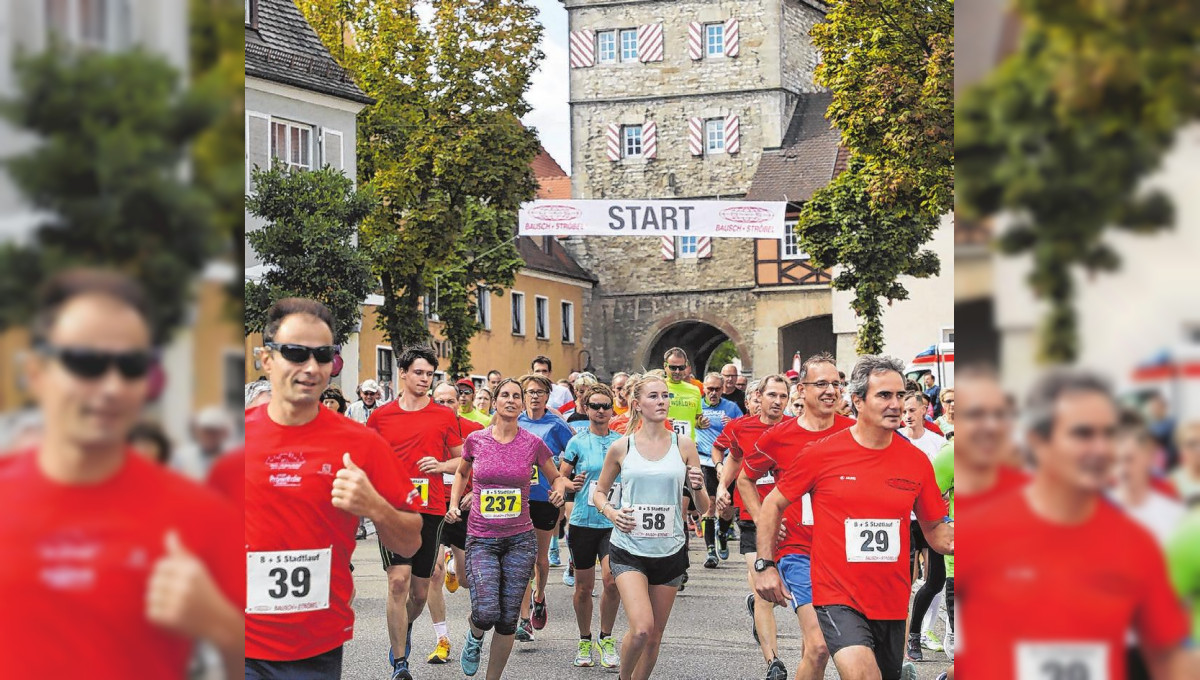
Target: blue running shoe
[470, 654]
[555, 560]
[400, 670]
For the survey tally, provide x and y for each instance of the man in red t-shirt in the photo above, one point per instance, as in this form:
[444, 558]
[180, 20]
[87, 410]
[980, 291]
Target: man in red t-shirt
[864, 481]
[310, 474]
[228, 477]
[426, 444]
[1057, 548]
[776, 453]
[112, 567]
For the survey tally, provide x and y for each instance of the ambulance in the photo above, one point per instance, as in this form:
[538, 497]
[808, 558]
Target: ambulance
[936, 359]
[1174, 374]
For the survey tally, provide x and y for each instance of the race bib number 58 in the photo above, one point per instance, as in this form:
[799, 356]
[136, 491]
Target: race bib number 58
[1062, 661]
[653, 521]
[872, 540]
[288, 581]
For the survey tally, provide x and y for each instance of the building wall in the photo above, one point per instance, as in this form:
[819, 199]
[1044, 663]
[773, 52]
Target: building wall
[775, 308]
[800, 58]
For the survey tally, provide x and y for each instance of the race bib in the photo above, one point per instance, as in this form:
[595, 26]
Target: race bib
[447, 479]
[614, 494]
[500, 503]
[806, 515]
[766, 479]
[872, 540]
[1062, 661]
[288, 581]
[653, 521]
[533, 478]
[421, 484]
[683, 428]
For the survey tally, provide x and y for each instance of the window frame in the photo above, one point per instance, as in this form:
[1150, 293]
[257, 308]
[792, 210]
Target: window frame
[541, 326]
[289, 126]
[600, 47]
[517, 301]
[709, 44]
[483, 308]
[710, 124]
[687, 247]
[381, 376]
[622, 34]
[789, 234]
[626, 138]
[75, 30]
[567, 309]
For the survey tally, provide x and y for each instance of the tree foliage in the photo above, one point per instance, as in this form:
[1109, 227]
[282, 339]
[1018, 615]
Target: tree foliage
[1062, 134]
[890, 67]
[113, 132]
[444, 135]
[308, 244]
[872, 246]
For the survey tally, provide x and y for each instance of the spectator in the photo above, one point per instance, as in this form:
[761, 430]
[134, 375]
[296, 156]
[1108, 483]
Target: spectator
[333, 399]
[933, 392]
[368, 393]
[149, 439]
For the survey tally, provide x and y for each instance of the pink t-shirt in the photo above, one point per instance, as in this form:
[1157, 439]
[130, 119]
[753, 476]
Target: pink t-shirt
[500, 477]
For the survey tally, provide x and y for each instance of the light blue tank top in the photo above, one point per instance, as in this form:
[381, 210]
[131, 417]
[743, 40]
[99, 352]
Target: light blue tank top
[653, 488]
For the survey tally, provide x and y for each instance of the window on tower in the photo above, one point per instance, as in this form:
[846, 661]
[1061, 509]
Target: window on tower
[714, 135]
[631, 141]
[714, 40]
[688, 246]
[629, 44]
[606, 46]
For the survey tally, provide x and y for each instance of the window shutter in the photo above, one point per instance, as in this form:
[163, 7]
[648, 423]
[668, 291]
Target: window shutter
[650, 140]
[583, 48]
[332, 152]
[614, 142]
[732, 135]
[668, 247]
[695, 40]
[650, 42]
[258, 144]
[731, 37]
[704, 247]
[696, 136]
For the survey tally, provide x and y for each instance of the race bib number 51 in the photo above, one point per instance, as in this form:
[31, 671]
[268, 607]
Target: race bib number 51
[872, 540]
[288, 581]
[653, 521]
[682, 428]
[1062, 661]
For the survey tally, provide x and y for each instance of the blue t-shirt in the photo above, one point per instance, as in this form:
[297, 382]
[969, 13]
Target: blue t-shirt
[586, 453]
[705, 438]
[555, 433]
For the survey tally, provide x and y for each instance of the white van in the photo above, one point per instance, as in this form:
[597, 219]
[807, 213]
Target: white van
[937, 359]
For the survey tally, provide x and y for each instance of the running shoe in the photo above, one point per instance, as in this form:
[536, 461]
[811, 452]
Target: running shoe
[583, 658]
[441, 653]
[776, 671]
[698, 526]
[711, 561]
[753, 625]
[722, 545]
[608, 652]
[540, 614]
[524, 631]
[931, 642]
[942, 676]
[948, 645]
[908, 671]
[555, 560]
[469, 659]
[400, 670]
[569, 576]
[451, 577]
[913, 650]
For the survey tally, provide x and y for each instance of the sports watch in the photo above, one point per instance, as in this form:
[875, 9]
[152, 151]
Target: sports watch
[761, 565]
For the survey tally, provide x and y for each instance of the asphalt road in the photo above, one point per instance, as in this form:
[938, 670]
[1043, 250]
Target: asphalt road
[708, 635]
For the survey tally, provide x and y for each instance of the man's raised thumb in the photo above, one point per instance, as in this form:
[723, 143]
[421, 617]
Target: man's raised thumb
[173, 543]
[347, 462]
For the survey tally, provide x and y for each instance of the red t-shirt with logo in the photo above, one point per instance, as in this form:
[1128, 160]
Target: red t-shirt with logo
[1088, 584]
[413, 435]
[739, 438]
[775, 454]
[228, 477]
[76, 564]
[289, 508]
[861, 500]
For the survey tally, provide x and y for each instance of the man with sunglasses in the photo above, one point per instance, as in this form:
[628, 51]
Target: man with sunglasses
[686, 413]
[719, 411]
[426, 444]
[113, 567]
[368, 401]
[310, 474]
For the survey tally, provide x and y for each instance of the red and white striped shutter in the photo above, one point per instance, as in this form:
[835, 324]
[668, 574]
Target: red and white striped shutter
[583, 48]
[696, 136]
[695, 40]
[668, 247]
[704, 247]
[733, 141]
[650, 139]
[613, 137]
[650, 42]
[731, 37]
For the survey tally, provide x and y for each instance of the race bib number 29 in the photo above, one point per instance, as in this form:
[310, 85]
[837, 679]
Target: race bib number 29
[288, 581]
[1062, 661]
[872, 540]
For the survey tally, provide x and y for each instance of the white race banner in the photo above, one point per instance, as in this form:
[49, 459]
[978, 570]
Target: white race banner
[733, 219]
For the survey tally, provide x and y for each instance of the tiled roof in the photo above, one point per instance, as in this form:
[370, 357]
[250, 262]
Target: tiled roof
[283, 48]
[557, 261]
[810, 156]
[544, 165]
[554, 188]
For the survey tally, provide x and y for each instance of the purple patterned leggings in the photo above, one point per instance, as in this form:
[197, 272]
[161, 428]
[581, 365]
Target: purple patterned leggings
[498, 571]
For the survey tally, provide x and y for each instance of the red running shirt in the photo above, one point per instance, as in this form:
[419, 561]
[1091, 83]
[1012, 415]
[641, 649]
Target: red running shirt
[289, 509]
[739, 438]
[861, 501]
[776, 453]
[228, 477]
[1033, 594]
[77, 561]
[413, 435]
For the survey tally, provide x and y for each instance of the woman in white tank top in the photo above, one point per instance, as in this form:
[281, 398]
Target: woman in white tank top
[648, 553]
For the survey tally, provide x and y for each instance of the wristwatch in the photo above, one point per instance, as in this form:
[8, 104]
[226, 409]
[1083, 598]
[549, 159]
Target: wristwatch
[761, 565]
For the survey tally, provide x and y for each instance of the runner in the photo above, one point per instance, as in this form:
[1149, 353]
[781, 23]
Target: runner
[1045, 546]
[588, 539]
[1183, 559]
[686, 414]
[466, 403]
[501, 545]
[483, 402]
[554, 433]
[310, 473]
[730, 391]
[648, 553]
[916, 407]
[864, 481]
[1186, 478]
[425, 443]
[621, 406]
[719, 412]
[112, 566]
[775, 454]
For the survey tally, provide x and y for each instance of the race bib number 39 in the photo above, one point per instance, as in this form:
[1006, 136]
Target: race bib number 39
[288, 581]
[653, 521]
[1062, 661]
[872, 540]
[421, 484]
[500, 503]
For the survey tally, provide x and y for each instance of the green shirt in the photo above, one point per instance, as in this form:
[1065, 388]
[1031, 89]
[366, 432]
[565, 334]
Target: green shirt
[943, 471]
[477, 416]
[1183, 561]
[687, 404]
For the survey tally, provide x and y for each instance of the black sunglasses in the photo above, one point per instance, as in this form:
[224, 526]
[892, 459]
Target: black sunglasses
[598, 407]
[299, 354]
[91, 364]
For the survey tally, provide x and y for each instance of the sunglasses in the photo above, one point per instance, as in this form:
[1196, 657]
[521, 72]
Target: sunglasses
[299, 354]
[91, 364]
[598, 407]
[676, 368]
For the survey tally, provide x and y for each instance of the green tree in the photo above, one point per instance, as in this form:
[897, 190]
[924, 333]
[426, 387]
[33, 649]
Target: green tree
[444, 133]
[890, 67]
[725, 353]
[308, 244]
[113, 133]
[874, 246]
[1061, 135]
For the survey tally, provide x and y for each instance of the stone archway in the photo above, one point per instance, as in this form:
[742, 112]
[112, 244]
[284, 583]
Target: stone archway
[698, 335]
